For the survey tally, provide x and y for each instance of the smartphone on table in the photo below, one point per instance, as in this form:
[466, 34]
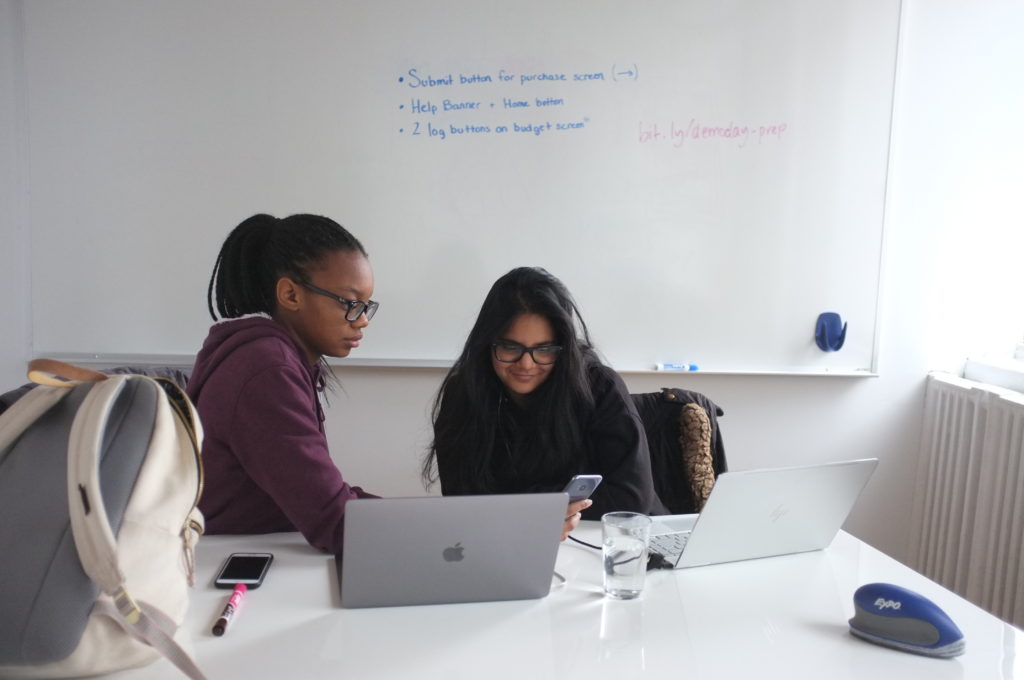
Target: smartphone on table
[581, 486]
[247, 568]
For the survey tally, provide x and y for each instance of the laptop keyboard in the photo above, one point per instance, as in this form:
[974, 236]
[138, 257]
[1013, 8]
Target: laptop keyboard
[670, 546]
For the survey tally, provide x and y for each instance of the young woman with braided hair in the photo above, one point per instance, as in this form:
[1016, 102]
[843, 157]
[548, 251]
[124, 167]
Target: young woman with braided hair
[285, 294]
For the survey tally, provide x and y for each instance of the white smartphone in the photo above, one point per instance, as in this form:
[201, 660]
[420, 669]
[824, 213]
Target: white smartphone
[247, 568]
[581, 486]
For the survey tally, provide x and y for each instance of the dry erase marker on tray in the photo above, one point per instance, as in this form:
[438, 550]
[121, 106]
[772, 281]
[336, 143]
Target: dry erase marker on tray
[675, 367]
[230, 609]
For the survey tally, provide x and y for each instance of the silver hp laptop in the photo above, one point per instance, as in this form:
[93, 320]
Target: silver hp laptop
[445, 549]
[762, 513]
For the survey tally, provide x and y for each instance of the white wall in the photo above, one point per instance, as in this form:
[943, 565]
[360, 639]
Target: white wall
[14, 253]
[959, 172]
[954, 186]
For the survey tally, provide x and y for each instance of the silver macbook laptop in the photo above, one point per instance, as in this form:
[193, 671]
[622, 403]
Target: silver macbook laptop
[762, 513]
[445, 549]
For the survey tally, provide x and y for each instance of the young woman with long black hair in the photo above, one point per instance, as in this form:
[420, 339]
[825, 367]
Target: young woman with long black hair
[528, 404]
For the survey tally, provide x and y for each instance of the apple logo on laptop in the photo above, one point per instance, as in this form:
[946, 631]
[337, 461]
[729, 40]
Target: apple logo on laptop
[454, 553]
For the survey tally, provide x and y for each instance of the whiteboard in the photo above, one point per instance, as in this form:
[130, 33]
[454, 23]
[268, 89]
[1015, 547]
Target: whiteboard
[706, 176]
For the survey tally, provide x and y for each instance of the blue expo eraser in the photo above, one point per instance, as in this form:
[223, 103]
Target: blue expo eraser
[895, 617]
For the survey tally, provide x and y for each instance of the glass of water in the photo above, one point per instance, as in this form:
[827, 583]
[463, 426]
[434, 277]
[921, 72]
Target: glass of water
[624, 549]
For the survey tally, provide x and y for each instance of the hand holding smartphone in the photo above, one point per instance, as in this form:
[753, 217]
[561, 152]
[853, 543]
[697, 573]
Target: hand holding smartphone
[581, 486]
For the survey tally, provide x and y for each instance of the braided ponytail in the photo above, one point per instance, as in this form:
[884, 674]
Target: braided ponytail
[262, 249]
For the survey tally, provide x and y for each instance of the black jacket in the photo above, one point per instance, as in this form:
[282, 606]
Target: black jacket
[615, 447]
[660, 413]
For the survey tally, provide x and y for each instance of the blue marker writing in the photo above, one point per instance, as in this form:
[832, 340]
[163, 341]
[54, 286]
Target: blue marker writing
[675, 367]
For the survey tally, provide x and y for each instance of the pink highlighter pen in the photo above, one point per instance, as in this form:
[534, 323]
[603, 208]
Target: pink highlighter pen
[230, 609]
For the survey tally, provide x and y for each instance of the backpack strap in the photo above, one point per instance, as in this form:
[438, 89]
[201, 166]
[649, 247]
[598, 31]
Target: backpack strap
[155, 629]
[94, 537]
[20, 415]
[59, 374]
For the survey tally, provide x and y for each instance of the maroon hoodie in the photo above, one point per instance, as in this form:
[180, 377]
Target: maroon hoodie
[265, 454]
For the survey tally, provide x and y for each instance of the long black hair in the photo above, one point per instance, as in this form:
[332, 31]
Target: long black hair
[261, 250]
[468, 405]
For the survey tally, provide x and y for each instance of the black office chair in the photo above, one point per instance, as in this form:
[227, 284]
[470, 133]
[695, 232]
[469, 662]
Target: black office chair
[687, 453]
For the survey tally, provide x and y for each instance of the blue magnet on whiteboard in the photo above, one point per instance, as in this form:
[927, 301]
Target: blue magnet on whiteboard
[830, 333]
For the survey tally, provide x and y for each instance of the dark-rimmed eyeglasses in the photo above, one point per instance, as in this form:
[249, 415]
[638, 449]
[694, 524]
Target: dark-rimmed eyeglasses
[353, 308]
[511, 352]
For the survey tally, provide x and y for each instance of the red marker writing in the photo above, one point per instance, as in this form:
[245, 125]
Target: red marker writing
[230, 609]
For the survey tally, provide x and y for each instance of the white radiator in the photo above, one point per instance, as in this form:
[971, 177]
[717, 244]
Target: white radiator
[967, 527]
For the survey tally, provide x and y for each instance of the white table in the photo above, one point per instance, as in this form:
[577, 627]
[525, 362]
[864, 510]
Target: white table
[782, 617]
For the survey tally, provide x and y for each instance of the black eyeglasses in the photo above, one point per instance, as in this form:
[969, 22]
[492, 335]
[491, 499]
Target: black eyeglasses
[511, 352]
[353, 308]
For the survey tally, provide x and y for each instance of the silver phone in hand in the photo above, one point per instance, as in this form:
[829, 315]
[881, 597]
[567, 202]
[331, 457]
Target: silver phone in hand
[581, 486]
